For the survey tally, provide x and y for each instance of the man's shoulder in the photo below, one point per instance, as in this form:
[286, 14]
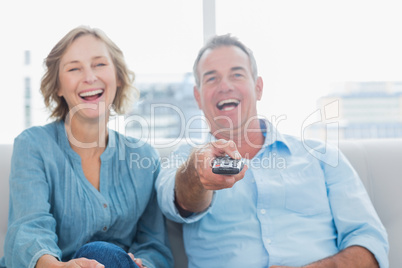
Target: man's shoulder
[296, 143]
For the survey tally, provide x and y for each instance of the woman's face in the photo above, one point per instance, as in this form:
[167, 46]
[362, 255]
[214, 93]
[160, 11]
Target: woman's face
[88, 80]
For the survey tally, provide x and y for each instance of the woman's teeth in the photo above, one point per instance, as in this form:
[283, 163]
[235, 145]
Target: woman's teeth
[91, 93]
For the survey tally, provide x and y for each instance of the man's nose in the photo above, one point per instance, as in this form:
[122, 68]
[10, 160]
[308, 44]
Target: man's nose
[225, 85]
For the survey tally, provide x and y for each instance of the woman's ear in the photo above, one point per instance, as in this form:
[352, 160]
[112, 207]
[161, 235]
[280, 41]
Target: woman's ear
[59, 93]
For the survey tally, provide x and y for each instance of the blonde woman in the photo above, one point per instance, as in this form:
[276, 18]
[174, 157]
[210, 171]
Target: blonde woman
[76, 200]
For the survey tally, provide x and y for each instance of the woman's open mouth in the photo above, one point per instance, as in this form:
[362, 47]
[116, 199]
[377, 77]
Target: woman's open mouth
[91, 95]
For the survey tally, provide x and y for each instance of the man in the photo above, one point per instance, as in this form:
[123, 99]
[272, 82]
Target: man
[286, 208]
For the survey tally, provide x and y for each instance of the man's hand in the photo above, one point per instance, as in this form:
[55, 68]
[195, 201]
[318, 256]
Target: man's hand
[203, 158]
[195, 181]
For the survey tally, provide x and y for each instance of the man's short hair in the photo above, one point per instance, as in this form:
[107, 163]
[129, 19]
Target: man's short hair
[220, 41]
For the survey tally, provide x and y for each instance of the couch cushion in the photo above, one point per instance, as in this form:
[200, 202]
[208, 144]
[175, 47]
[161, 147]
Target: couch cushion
[5, 159]
[379, 164]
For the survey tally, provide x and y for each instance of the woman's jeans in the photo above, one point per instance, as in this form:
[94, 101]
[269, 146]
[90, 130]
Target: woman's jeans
[108, 254]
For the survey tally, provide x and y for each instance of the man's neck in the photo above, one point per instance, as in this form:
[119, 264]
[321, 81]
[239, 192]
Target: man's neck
[248, 142]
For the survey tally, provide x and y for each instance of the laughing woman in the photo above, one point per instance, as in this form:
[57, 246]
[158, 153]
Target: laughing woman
[76, 200]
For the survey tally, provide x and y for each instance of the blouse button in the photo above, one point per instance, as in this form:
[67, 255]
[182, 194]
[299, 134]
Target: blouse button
[104, 229]
[105, 205]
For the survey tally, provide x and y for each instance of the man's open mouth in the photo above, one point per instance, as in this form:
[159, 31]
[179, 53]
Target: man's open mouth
[227, 105]
[91, 95]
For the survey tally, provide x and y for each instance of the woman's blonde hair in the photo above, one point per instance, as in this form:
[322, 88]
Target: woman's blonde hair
[50, 84]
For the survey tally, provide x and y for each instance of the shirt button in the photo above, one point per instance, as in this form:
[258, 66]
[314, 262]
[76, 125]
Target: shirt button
[268, 241]
[263, 211]
[105, 205]
[104, 229]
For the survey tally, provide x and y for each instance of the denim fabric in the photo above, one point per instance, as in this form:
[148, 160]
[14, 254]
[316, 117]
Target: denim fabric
[110, 255]
[300, 201]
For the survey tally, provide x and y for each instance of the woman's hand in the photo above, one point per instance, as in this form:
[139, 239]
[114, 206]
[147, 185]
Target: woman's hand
[50, 261]
[276, 266]
[83, 263]
[137, 261]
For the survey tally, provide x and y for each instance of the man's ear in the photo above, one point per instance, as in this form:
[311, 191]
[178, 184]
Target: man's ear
[197, 96]
[259, 85]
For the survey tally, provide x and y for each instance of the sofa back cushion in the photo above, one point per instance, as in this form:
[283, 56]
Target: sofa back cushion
[5, 160]
[378, 163]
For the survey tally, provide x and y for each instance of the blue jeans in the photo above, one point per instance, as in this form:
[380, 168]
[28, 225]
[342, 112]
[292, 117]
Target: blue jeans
[108, 254]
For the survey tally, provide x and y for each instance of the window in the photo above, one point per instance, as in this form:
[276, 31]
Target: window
[302, 48]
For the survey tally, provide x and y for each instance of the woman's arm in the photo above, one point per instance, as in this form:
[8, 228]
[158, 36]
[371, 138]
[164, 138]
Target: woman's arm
[151, 241]
[31, 226]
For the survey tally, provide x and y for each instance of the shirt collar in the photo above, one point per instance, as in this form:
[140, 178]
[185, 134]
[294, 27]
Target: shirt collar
[273, 138]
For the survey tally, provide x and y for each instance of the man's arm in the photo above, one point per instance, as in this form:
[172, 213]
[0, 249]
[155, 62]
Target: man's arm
[195, 181]
[190, 194]
[353, 256]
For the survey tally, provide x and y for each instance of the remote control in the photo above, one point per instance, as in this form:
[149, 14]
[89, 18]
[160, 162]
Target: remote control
[226, 165]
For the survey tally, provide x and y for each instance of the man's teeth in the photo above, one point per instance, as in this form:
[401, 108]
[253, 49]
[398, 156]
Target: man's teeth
[91, 93]
[229, 104]
[228, 101]
[228, 108]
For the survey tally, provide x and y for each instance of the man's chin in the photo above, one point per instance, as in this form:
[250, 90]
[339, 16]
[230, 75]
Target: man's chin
[226, 130]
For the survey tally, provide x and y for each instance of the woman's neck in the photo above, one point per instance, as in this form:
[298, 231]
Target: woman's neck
[87, 138]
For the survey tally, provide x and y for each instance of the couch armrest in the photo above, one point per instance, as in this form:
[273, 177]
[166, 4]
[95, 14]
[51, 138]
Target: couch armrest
[379, 165]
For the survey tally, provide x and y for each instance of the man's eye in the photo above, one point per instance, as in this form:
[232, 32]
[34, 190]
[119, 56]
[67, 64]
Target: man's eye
[238, 75]
[210, 79]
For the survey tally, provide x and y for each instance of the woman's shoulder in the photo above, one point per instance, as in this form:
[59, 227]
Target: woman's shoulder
[37, 140]
[39, 133]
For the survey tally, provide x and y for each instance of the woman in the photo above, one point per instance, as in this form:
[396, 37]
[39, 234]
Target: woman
[76, 199]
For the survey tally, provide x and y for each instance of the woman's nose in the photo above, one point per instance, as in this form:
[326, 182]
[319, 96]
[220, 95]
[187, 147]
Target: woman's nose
[89, 76]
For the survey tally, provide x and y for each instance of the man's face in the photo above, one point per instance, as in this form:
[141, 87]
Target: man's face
[228, 93]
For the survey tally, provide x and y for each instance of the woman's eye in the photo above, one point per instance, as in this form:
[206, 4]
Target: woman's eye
[73, 69]
[100, 64]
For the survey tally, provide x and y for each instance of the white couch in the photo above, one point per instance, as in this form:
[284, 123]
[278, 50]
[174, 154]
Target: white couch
[378, 162]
